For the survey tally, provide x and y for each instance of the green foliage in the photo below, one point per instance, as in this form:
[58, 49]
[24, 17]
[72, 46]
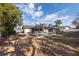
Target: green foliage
[76, 20]
[76, 23]
[58, 23]
[10, 16]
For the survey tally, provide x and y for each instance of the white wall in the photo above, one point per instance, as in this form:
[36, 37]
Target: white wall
[70, 30]
[45, 30]
[27, 30]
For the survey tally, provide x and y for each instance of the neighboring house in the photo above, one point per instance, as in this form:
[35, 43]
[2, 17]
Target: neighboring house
[73, 26]
[27, 29]
[40, 28]
[74, 30]
[65, 28]
[69, 29]
[52, 28]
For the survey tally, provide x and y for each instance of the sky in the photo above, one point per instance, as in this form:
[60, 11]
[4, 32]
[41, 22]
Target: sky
[47, 13]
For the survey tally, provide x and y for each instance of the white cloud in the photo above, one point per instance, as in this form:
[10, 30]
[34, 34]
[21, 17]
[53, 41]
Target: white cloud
[67, 20]
[64, 17]
[31, 5]
[31, 10]
[38, 13]
[27, 22]
[39, 8]
[20, 6]
[56, 16]
[64, 11]
[51, 17]
[47, 19]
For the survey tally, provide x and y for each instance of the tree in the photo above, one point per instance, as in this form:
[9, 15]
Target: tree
[76, 21]
[58, 23]
[50, 25]
[10, 16]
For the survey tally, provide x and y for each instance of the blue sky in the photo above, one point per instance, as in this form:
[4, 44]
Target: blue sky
[48, 12]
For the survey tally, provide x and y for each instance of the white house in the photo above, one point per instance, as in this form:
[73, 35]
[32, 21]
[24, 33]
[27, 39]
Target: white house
[65, 28]
[27, 29]
[69, 29]
[40, 28]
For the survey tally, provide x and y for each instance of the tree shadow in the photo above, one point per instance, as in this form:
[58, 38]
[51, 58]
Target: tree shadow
[18, 47]
[2, 52]
[57, 50]
[33, 52]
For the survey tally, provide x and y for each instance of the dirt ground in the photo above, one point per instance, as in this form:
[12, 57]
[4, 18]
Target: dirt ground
[43, 47]
[56, 49]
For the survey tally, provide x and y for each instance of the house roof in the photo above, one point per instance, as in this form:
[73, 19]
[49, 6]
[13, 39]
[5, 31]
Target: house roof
[40, 26]
[27, 26]
[65, 27]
